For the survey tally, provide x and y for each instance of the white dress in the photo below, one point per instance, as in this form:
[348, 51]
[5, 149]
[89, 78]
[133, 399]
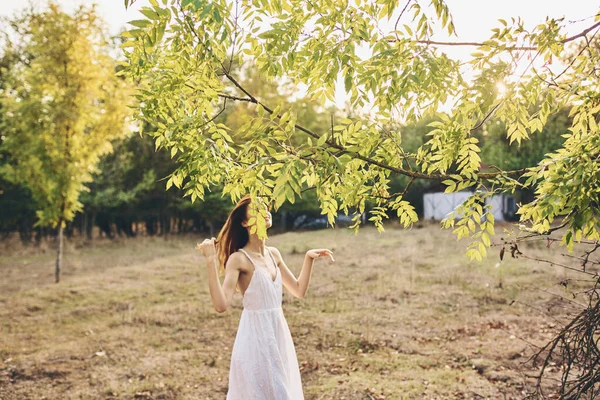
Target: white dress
[263, 360]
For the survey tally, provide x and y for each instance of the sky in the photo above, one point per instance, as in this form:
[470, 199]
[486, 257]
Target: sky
[113, 11]
[473, 19]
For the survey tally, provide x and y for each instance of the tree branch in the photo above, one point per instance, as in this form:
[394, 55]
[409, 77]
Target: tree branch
[412, 174]
[512, 48]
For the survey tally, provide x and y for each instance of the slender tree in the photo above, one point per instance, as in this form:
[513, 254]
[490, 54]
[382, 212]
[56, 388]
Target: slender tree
[63, 104]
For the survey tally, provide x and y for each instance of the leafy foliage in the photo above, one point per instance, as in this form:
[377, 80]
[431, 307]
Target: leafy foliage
[62, 106]
[184, 54]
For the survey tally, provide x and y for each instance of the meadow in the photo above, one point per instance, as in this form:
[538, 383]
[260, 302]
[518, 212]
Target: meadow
[402, 314]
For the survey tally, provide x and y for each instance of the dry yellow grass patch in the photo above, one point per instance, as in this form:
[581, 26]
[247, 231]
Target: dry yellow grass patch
[399, 315]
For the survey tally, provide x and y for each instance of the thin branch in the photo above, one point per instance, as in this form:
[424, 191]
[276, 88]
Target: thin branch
[487, 116]
[558, 264]
[407, 186]
[477, 44]
[582, 33]
[216, 115]
[552, 293]
[538, 310]
[578, 54]
[511, 48]
[235, 35]
[227, 96]
[400, 16]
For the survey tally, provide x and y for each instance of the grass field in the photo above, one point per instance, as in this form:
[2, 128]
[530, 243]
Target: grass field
[399, 315]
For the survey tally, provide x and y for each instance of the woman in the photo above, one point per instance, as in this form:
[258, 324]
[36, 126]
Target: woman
[263, 360]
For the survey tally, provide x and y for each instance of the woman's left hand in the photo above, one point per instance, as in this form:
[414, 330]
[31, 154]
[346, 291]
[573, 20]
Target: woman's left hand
[316, 253]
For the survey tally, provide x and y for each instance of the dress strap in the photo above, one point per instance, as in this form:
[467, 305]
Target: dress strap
[249, 258]
[274, 262]
[252, 261]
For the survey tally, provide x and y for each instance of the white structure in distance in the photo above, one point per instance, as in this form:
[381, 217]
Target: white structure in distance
[438, 205]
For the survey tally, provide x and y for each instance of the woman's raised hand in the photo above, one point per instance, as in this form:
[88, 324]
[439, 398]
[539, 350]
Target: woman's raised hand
[316, 253]
[207, 247]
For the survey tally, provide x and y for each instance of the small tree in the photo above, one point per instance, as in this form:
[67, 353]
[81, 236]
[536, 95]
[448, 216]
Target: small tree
[63, 104]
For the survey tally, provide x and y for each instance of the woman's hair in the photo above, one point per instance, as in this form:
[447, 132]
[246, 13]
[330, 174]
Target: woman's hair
[233, 236]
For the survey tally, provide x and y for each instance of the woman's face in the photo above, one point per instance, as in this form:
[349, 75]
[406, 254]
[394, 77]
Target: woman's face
[268, 217]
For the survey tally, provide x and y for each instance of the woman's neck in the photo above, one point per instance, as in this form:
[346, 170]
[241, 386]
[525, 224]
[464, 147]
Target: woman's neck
[256, 245]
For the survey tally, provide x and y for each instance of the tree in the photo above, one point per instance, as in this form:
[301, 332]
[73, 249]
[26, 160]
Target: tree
[186, 72]
[62, 104]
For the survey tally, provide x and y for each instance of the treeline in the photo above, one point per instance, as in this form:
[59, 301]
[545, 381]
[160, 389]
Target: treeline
[128, 196]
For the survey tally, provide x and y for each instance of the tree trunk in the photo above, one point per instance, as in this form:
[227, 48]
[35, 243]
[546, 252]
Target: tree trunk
[211, 227]
[83, 221]
[59, 251]
[38, 236]
[284, 215]
[90, 226]
[25, 230]
[69, 229]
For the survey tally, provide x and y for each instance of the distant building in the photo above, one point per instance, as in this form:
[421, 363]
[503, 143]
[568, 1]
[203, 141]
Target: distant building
[438, 205]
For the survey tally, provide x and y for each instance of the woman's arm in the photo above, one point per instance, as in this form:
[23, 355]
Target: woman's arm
[220, 295]
[299, 287]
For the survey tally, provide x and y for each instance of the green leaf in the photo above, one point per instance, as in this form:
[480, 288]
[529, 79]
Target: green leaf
[322, 140]
[160, 32]
[140, 23]
[348, 82]
[148, 12]
[485, 239]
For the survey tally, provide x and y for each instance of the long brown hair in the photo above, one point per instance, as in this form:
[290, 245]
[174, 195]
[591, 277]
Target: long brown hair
[233, 236]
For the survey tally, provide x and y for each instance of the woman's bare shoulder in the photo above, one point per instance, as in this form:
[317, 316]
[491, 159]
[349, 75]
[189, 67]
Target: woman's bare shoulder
[273, 249]
[275, 252]
[239, 261]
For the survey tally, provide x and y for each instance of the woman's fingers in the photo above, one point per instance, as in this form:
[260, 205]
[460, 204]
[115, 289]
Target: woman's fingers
[330, 254]
[205, 243]
[326, 252]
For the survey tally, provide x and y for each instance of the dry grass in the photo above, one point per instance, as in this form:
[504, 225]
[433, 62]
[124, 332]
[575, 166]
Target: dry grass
[399, 315]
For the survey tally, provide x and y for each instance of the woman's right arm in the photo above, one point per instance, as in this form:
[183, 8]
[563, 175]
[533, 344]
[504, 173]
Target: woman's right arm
[221, 295]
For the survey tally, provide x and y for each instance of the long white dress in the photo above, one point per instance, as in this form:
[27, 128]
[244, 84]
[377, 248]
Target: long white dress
[263, 360]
